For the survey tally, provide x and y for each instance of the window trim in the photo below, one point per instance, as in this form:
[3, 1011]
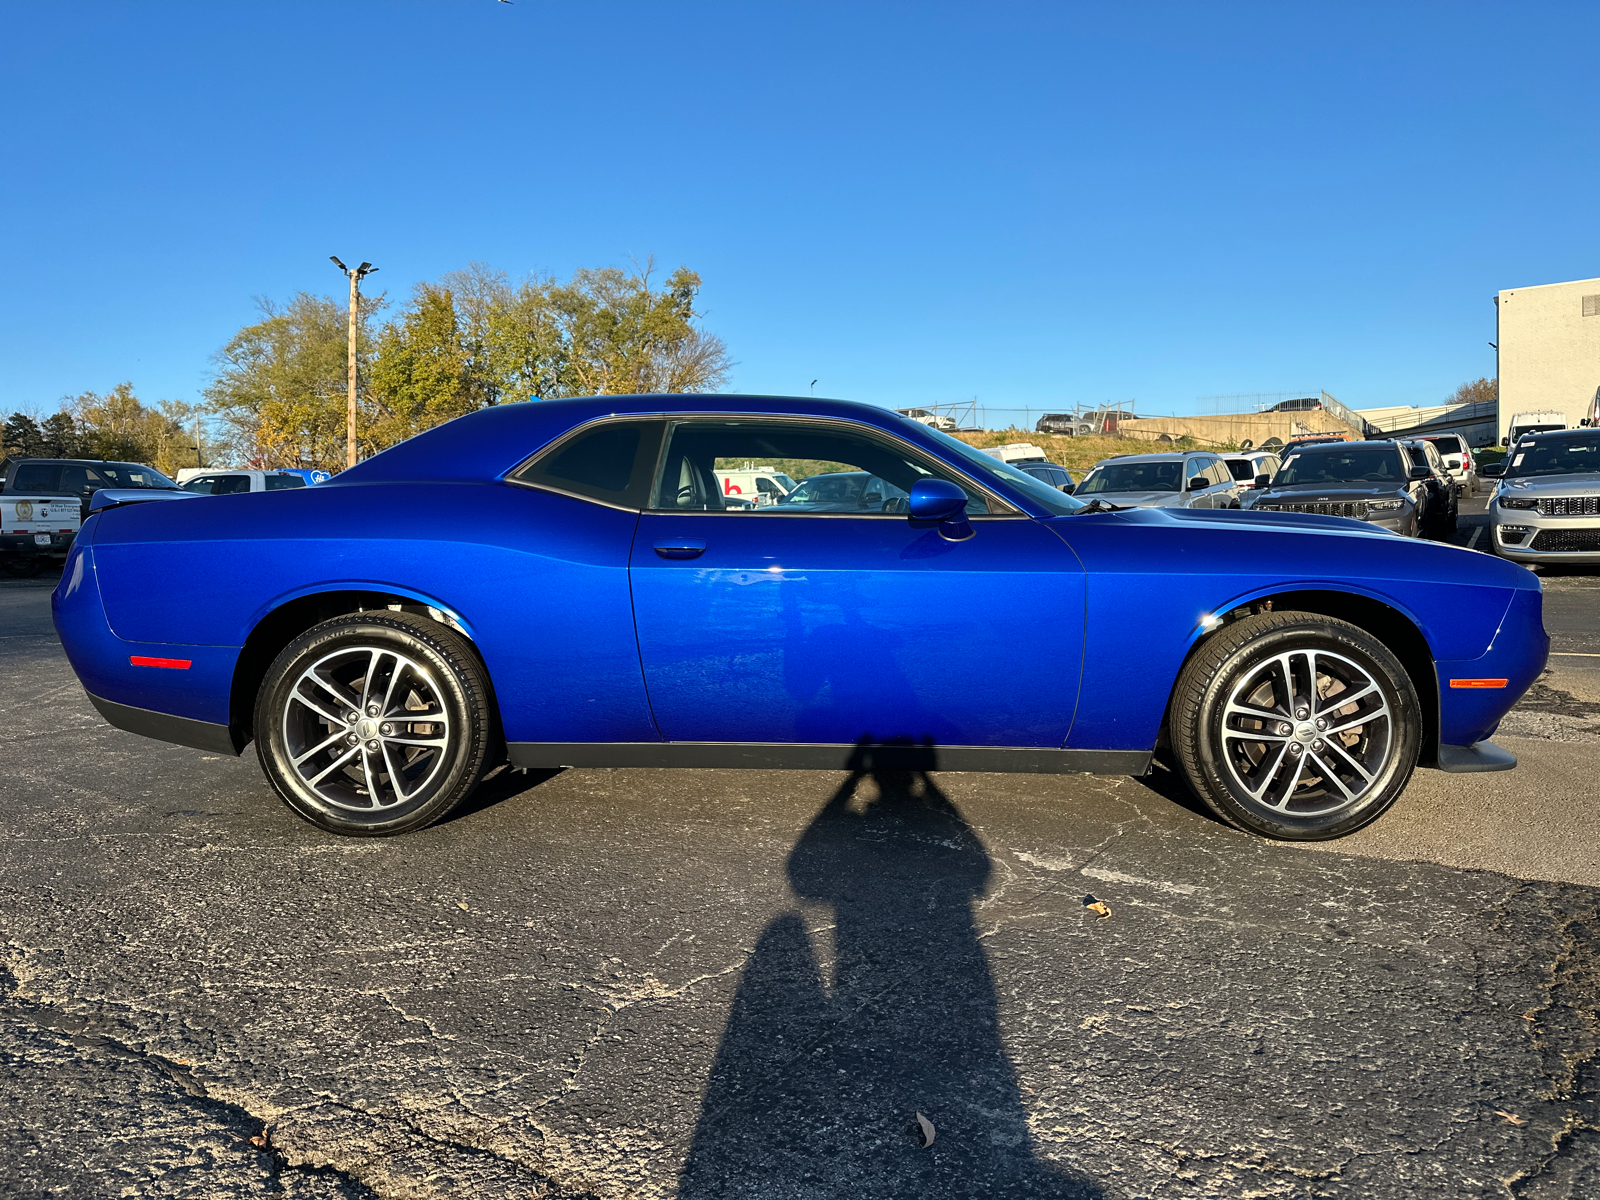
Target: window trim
[1009, 511]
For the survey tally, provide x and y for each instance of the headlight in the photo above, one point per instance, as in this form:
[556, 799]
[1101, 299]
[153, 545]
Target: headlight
[1517, 502]
[1376, 506]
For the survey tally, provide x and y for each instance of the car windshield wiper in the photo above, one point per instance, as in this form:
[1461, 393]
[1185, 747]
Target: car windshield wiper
[1098, 505]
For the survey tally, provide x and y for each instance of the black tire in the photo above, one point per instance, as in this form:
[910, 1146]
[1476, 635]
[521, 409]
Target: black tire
[24, 566]
[1243, 664]
[433, 732]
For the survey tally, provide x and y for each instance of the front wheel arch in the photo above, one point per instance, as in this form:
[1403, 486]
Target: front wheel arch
[1398, 632]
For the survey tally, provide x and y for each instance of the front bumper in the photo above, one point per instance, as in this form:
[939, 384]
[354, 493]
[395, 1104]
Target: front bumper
[1524, 535]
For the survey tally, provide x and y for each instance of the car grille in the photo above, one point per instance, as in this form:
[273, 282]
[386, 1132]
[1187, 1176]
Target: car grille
[1566, 539]
[1570, 506]
[1330, 508]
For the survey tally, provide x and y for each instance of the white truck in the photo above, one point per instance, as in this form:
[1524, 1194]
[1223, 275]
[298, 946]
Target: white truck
[754, 486]
[1533, 422]
[36, 531]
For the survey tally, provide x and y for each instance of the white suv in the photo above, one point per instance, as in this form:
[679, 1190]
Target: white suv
[225, 483]
[1457, 455]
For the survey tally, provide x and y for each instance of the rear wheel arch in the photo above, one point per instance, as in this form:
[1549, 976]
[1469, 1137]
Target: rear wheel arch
[292, 618]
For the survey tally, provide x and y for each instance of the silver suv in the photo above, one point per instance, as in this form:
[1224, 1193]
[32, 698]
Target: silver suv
[1547, 507]
[1190, 479]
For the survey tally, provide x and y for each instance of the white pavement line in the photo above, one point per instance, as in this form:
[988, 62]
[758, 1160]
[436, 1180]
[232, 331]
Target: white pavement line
[1571, 654]
[1477, 532]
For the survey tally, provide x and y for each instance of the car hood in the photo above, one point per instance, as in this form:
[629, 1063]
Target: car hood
[1139, 499]
[1311, 493]
[1586, 483]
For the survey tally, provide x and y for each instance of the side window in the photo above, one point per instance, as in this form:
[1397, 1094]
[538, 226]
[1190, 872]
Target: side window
[228, 485]
[841, 469]
[1191, 468]
[278, 483]
[611, 462]
[82, 480]
[35, 477]
[201, 485]
[1218, 472]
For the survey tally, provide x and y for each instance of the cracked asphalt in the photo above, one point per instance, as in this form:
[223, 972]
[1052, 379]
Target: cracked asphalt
[706, 984]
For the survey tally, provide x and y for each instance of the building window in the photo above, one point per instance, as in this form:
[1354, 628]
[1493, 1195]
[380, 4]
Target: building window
[1591, 306]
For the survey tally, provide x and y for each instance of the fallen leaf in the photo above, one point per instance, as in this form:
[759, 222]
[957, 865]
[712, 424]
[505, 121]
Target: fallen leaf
[1097, 906]
[1511, 1118]
[462, 905]
[258, 1140]
[927, 1130]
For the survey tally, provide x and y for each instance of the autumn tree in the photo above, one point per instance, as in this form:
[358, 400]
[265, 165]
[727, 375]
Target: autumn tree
[118, 425]
[1479, 391]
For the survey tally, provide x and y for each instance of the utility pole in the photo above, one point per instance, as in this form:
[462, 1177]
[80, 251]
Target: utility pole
[355, 276]
[199, 459]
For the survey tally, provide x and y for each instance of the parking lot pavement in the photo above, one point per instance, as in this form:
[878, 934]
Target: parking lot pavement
[627, 983]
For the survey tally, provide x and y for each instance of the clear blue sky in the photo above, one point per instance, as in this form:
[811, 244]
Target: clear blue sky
[1037, 205]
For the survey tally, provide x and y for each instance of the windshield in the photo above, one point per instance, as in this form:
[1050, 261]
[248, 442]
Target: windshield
[133, 475]
[828, 489]
[1132, 477]
[1367, 464]
[986, 467]
[1556, 456]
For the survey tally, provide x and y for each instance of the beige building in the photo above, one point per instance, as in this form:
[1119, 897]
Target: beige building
[1549, 342]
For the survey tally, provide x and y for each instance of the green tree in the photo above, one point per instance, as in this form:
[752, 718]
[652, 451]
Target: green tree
[118, 425]
[423, 371]
[21, 435]
[60, 436]
[280, 383]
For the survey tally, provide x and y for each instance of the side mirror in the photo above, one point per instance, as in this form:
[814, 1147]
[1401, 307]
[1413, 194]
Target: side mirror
[1263, 480]
[940, 502]
[1069, 488]
[1493, 470]
[1421, 472]
[1505, 441]
[1197, 483]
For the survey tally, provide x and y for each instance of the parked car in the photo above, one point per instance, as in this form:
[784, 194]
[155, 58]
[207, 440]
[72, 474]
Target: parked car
[1058, 423]
[1248, 467]
[1547, 507]
[1049, 472]
[1444, 494]
[845, 491]
[36, 531]
[935, 420]
[1542, 421]
[758, 485]
[1375, 482]
[1017, 452]
[1458, 459]
[228, 483]
[569, 591]
[1192, 479]
[80, 478]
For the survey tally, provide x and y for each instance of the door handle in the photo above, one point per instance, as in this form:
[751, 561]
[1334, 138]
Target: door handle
[680, 548]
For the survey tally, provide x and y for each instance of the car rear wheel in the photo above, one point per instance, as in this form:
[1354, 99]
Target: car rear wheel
[1296, 726]
[376, 723]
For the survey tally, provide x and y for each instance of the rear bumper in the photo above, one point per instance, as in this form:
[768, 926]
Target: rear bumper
[23, 544]
[164, 727]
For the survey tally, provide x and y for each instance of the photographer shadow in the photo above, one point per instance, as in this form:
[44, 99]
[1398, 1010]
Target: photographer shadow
[819, 1075]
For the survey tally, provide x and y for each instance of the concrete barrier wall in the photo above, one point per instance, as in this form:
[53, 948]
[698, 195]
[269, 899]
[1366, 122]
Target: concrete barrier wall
[1233, 429]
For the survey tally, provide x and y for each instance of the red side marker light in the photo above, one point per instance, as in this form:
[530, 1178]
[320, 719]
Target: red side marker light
[1478, 683]
[176, 664]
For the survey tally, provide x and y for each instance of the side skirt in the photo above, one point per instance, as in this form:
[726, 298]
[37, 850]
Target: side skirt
[164, 727]
[815, 757]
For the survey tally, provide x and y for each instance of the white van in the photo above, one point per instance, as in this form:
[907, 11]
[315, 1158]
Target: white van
[1017, 452]
[760, 486]
[1533, 422]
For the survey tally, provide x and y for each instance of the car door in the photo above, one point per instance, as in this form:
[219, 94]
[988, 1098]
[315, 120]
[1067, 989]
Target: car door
[772, 625]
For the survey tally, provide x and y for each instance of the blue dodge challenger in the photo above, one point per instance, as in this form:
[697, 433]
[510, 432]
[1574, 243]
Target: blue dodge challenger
[559, 583]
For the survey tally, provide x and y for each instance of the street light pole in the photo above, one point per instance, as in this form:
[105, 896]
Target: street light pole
[355, 275]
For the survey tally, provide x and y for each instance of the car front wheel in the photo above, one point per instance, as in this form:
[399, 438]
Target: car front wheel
[1296, 726]
[373, 724]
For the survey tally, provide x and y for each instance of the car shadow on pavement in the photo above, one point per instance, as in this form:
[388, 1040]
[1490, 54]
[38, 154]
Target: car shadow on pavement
[501, 784]
[826, 1059]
